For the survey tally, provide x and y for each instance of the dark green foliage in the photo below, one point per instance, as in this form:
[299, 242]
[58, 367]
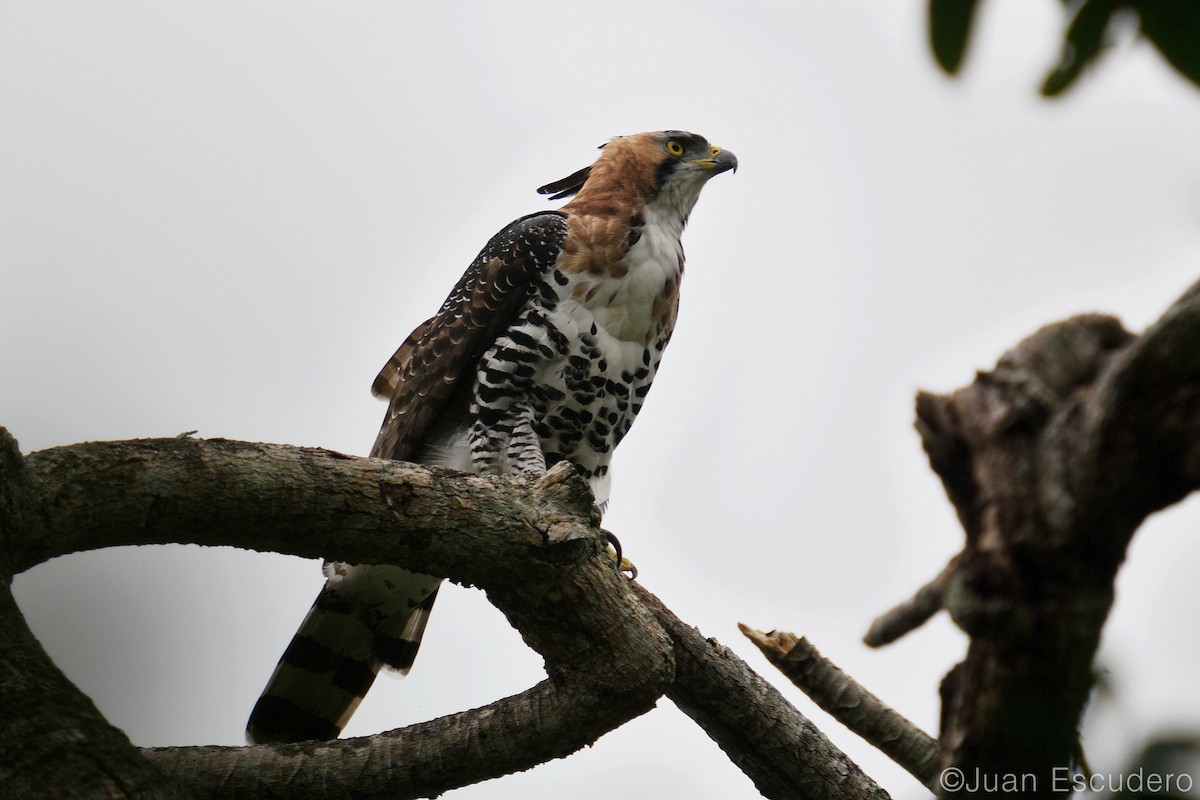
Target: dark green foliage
[1172, 26]
[1082, 43]
[949, 30]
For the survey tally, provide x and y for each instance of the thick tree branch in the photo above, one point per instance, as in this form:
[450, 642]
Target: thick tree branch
[1052, 461]
[300, 501]
[429, 758]
[535, 548]
[54, 741]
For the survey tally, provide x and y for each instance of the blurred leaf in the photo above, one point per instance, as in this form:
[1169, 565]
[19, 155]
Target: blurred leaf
[949, 30]
[1083, 42]
[1174, 27]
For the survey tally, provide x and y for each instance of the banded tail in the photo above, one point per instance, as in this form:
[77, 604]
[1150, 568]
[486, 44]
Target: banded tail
[365, 618]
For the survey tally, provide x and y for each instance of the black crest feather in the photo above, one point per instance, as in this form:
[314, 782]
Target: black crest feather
[566, 186]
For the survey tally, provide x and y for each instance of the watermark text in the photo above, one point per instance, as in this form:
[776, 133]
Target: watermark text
[1063, 779]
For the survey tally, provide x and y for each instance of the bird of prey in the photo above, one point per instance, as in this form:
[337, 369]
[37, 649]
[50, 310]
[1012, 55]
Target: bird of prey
[543, 352]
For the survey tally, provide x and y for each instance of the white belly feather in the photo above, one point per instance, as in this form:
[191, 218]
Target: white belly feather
[585, 395]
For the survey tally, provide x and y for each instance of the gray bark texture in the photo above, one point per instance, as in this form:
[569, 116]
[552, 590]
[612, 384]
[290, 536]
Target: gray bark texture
[611, 650]
[1052, 461]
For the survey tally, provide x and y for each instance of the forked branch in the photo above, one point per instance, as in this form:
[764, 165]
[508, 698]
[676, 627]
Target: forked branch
[611, 649]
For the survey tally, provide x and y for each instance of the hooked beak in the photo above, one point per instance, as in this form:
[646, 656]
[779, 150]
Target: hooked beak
[719, 161]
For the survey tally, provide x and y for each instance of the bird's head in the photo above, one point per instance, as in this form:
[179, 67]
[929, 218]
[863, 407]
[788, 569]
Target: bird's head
[666, 168]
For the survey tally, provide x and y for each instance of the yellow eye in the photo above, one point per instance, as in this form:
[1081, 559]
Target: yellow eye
[674, 148]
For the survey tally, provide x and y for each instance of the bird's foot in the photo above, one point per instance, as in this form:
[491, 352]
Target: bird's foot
[621, 563]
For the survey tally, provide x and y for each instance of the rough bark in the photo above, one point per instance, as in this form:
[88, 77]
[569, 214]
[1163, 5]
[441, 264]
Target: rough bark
[54, 741]
[1052, 460]
[607, 659]
[535, 548]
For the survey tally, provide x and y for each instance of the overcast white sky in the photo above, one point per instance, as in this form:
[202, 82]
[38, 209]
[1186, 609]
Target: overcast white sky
[225, 216]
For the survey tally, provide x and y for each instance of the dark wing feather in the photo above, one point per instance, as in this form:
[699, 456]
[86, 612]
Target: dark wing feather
[439, 358]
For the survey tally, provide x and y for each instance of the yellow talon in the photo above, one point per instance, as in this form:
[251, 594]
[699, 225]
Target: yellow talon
[622, 564]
